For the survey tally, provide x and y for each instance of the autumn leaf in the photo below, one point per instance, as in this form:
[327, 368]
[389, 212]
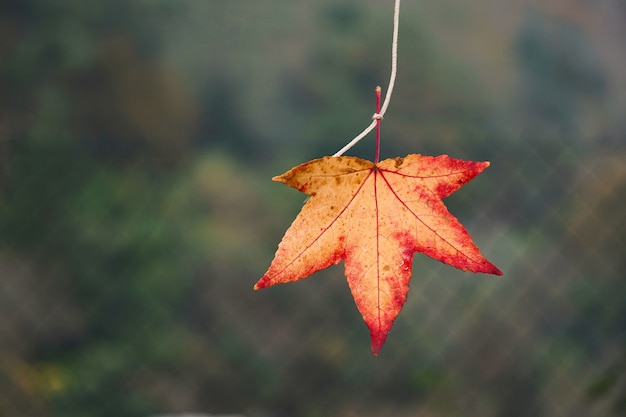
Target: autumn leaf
[375, 217]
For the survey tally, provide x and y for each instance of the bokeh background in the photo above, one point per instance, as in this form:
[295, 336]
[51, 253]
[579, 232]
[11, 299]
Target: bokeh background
[137, 143]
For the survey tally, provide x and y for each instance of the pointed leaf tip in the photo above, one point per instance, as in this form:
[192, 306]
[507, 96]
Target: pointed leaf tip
[377, 343]
[260, 284]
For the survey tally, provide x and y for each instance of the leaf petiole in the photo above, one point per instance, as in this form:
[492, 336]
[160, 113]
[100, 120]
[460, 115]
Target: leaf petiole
[377, 117]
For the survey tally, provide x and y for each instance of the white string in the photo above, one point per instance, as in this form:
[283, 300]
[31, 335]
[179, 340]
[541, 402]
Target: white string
[392, 81]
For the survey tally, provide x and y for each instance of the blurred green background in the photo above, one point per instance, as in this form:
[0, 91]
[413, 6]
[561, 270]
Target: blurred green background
[137, 143]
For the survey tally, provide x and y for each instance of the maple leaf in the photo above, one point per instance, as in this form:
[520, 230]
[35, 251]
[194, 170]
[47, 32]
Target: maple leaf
[375, 217]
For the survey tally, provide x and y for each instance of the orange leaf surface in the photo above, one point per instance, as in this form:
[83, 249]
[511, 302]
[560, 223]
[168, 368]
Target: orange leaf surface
[375, 217]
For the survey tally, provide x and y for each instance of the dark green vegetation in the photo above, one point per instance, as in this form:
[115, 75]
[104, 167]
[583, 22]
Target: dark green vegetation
[137, 143]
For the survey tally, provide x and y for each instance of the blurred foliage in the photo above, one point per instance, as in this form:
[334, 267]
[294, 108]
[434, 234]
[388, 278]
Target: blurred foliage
[560, 72]
[137, 143]
[611, 384]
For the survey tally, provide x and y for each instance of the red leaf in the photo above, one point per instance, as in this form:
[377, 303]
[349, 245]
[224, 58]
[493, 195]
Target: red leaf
[375, 217]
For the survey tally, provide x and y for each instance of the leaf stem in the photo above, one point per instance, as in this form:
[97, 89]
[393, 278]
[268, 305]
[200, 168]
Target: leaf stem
[378, 118]
[392, 80]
